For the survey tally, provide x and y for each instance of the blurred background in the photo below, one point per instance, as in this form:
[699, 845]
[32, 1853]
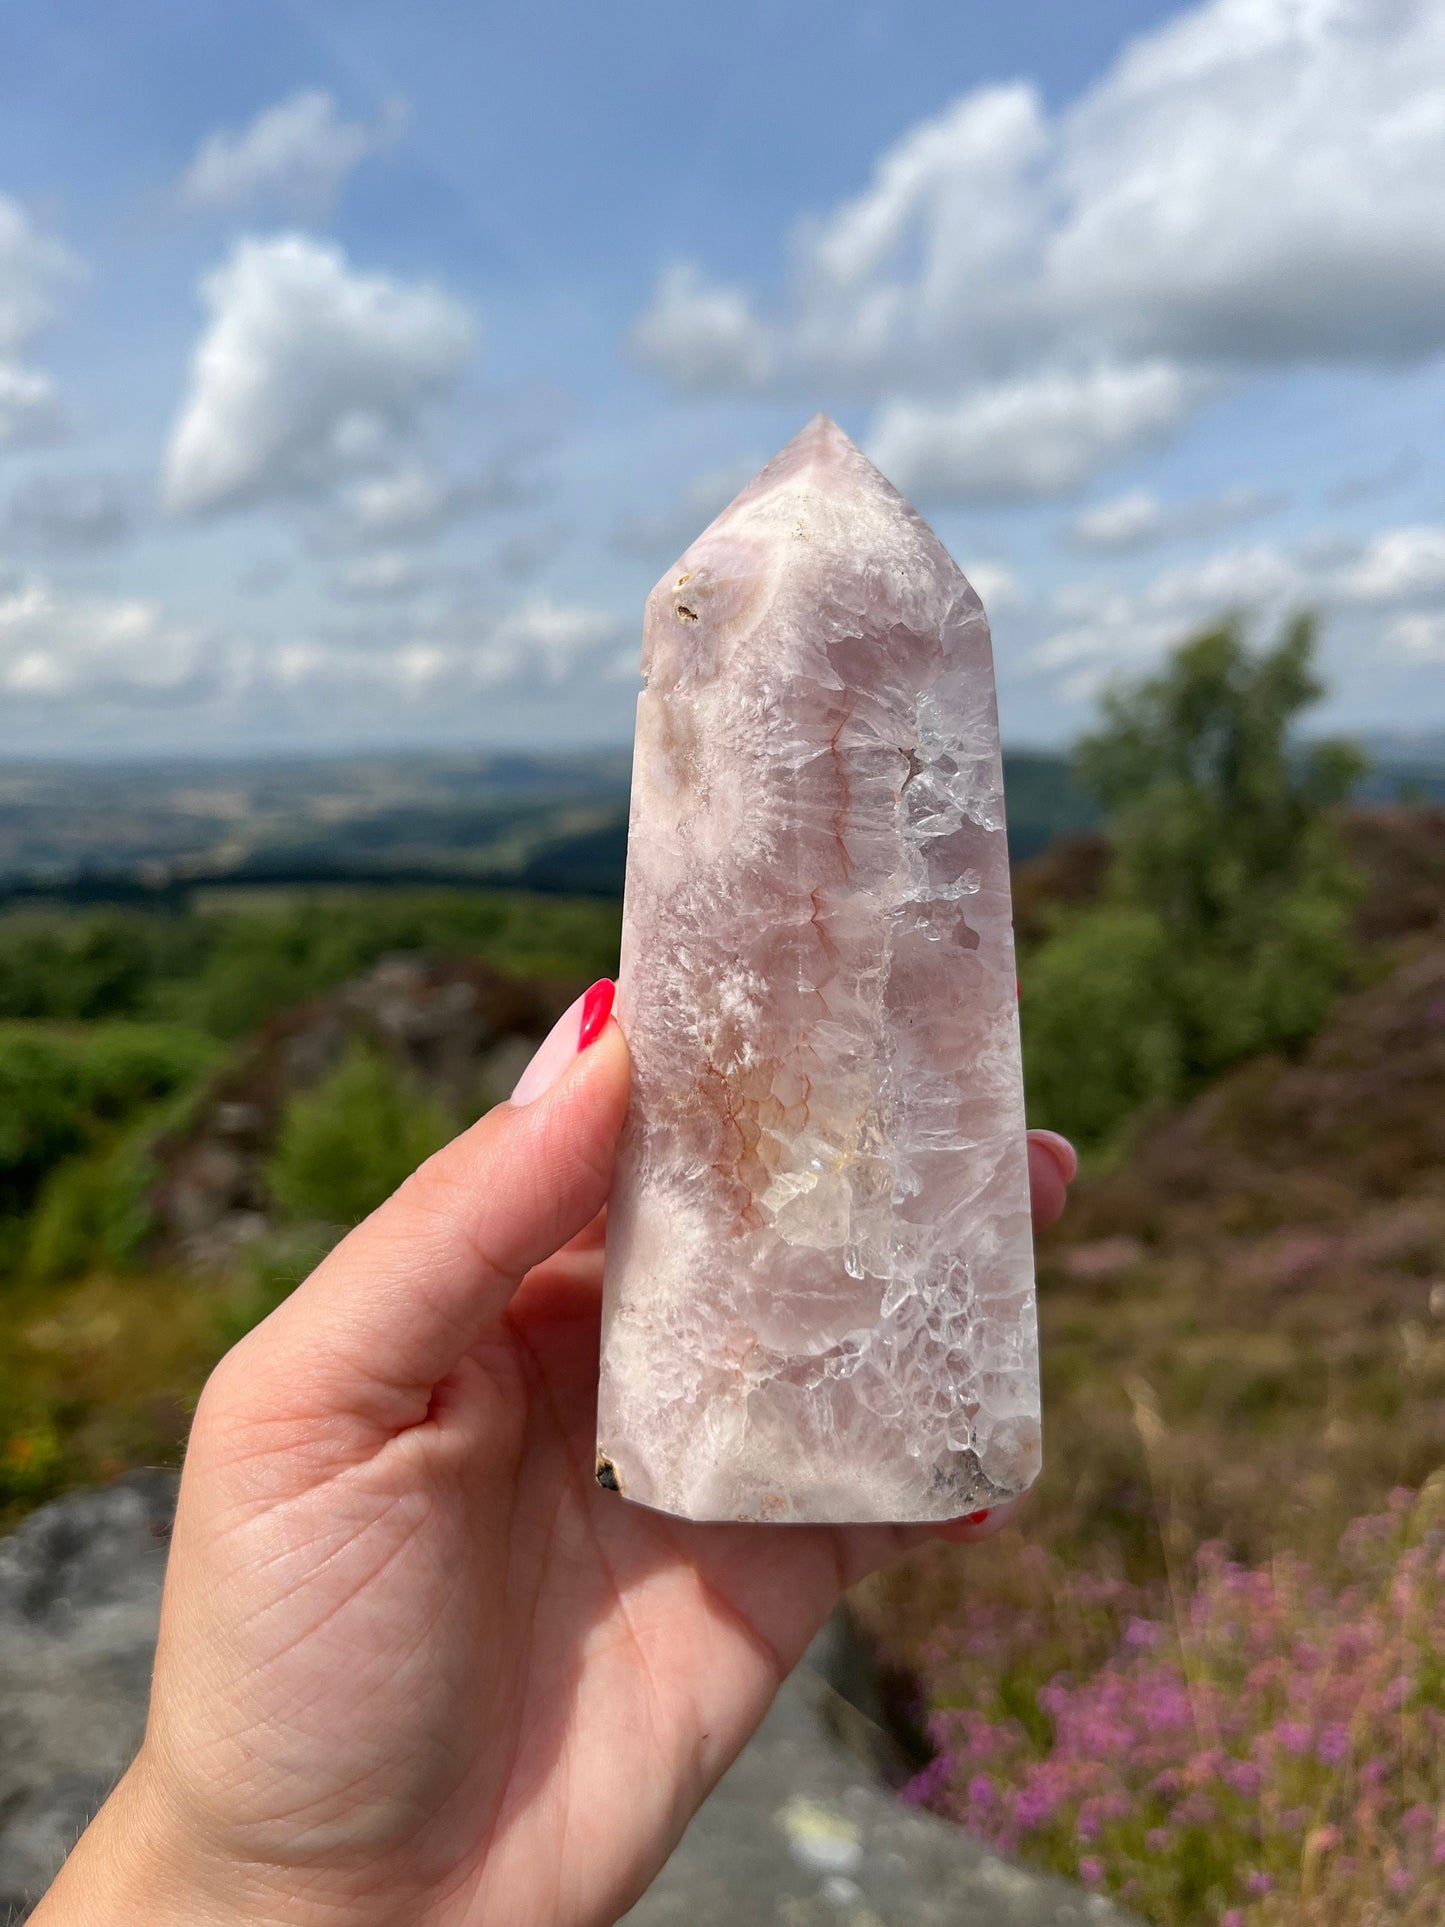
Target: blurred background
[361, 368]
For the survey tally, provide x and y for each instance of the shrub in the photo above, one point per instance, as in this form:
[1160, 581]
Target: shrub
[95, 1209]
[1100, 1041]
[226, 966]
[61, 1090]
[269, 1273]
[1268, 1752]
[347, 1145]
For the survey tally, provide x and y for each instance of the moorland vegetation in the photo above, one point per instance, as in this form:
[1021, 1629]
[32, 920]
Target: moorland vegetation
[1207, 1671]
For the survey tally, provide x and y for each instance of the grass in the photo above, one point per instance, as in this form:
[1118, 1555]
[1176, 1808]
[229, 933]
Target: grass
[1261, 1746]
[1243, 1342]
[100, 1376]
[112, 1023]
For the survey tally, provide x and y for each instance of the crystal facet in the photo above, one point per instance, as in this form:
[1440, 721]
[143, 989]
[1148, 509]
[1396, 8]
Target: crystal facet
[819, 1295]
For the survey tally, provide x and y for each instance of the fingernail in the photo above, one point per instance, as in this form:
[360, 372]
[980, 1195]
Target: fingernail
[580, 1024]
[596, 1009]
[1060, 1150]
[977, 1518]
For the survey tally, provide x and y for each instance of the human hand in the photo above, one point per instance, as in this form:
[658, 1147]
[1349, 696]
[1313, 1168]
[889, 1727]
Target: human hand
[414, 1666]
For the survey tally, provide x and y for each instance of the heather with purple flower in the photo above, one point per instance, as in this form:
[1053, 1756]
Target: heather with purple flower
[1270, 1748]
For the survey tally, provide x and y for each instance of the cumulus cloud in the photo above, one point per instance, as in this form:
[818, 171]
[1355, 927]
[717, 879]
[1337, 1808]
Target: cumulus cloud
[997, 585]
[659, 537]
[386, 574]
[704, 337]
[1253, 184]
[1139, 520]
[307, 373]
[1040, 435]
[1095, 628]
[297, 153]
[455, 646]
[1419, 638]
[555, 635]
[36, 272]
[64, 653]
[55, 646]
[1100, 629]
[69, 513]
[30, 410]
[416, 503]
[1398, 565]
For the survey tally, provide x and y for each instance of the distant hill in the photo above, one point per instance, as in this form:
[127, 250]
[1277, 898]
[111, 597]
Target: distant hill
[1404, 767]
[556, 823]
[149, 829]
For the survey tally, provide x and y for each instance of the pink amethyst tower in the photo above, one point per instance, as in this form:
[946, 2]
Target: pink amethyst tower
[819, 1299]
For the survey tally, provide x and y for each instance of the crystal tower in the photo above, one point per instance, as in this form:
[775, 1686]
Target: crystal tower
[819, 1295]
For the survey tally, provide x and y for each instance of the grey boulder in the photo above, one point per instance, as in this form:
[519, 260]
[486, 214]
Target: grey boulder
[802, 1832]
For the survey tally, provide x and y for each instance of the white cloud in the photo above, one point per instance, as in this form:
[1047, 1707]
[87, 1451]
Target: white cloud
[297, 153]
[659, 538]
[415, 503]
[1129, 521]
[1139, 520]
[1102, 629]
[996, 584]
[307, 372]
[30, 410]
[1037, 436]
[1398, 565]
[455, 646]
[1251, 577]
[1418, 638]
[1098, 627]
[36, 272]
[702, 336]
[56, 646]
[1255, 183]
[556, 634]
[65, 652]
[69, 513]
[387, 573]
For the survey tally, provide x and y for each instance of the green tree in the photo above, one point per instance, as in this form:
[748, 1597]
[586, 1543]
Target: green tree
[1229, 895]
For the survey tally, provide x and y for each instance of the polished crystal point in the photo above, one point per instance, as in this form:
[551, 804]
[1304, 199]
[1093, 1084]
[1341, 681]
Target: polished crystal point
[819, 1297]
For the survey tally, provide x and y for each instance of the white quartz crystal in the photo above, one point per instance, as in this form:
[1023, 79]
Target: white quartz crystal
[819, 1296]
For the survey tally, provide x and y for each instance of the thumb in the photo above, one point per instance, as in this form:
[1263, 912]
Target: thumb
[403, 1298]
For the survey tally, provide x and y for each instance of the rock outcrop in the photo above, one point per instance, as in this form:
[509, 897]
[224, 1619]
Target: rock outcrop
[802, 1832]
[461, 1030]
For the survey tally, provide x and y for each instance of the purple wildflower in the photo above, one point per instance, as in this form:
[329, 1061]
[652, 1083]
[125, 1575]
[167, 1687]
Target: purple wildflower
[1333, 1745]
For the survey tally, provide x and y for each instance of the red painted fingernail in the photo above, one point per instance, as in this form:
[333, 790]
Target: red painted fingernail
[1060, 1150]
[596, 1009]
[977, 1518]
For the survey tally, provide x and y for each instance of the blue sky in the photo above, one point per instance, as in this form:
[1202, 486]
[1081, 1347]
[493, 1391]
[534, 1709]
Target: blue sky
[361, 367]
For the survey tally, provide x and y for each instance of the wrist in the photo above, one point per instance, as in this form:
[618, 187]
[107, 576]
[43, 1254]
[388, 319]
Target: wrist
[137, 1865]
[141, 1864]
[134, 1864]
